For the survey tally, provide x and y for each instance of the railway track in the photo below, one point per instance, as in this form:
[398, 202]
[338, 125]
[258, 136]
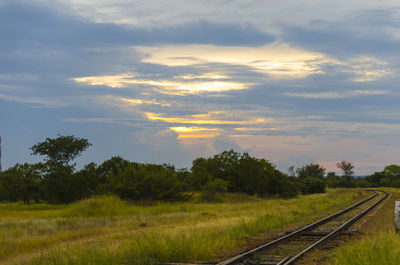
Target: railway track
[290, 248]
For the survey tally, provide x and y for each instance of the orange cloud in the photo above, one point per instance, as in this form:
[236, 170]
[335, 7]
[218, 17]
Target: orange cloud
[277, 60]
[202, 119]
[189, 84]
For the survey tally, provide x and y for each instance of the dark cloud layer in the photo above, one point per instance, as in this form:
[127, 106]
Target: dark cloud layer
[23, 25]
[42, 49]
[368, 32]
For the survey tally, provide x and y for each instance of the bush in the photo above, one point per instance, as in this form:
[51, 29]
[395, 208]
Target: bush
[313, 185]
[212, 187]
[147, 182]
[242, 173]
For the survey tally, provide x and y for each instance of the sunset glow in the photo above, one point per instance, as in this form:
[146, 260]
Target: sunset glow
[169, 81]
[198, 120]
[276, 60]
[166, 86]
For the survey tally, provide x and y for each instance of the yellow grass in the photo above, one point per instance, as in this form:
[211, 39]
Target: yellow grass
[381, 247]
[106, 230]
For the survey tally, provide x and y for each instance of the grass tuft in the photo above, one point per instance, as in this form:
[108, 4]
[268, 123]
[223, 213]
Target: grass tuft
[381, 249]
[98, 206]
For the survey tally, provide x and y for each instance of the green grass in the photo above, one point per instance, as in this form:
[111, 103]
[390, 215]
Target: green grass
[106, 230]
[381, 249]
[380, 246]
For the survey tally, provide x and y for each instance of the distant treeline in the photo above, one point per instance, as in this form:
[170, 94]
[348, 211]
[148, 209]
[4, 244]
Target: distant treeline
[56, 181]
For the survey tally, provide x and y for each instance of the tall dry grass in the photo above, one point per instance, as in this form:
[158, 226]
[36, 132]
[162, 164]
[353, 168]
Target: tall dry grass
[380, 249]
[106, 230]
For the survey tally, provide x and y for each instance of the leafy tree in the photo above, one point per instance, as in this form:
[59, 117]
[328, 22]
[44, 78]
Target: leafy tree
[58, 184]
[281, 185]
[20, 182]
[392, 172]
[212, 187]
[226, 165]
[86, 182]
[62, 149]
[332, 180]
[375, 178]
[146, 181]
[311, 178]
[311, 170]
[347, 168]
[202, 171]
[362, 183]
[243, 173]
[292, 171]
[185, 177]
[313, 185]
[112, 166]
[251, 175]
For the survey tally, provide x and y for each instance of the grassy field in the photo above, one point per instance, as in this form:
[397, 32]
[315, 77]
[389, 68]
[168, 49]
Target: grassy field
[379, 245]
[106, 230]
[383, 248]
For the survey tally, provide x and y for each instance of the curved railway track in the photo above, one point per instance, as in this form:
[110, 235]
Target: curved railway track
[290, 248]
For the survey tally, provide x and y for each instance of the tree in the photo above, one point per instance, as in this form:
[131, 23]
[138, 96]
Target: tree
[375, 178]
[392, 171]
[311, 170]
[242, 173]
[311, 178]
[392, 174]
[347, 168]
[212, 187]
[20, 182]
[112, 166]
[313, 185]
[146, 182]
[58, 183]
[292, 171]
[62, 149]
[332, 180]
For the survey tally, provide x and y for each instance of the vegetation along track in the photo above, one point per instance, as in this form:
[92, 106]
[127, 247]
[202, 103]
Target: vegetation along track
[289, 248]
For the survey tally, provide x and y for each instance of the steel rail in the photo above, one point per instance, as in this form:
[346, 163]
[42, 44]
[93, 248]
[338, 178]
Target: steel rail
[298, 232]
[335, 232]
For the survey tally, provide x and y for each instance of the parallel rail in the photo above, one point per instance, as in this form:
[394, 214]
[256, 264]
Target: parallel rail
[301, 231]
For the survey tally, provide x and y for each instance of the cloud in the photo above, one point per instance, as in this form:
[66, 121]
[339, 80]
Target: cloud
[195, 132]
[277, 60]
[206, 119]
[37, 101]
[247, 129]
[337, 95]
[169, 81]
[366, 69]
[136, 102]
[178, 85]
[262, 13]
[23, 24]
[363, 32]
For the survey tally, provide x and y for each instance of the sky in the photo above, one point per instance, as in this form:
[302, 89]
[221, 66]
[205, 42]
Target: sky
[168, 81]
